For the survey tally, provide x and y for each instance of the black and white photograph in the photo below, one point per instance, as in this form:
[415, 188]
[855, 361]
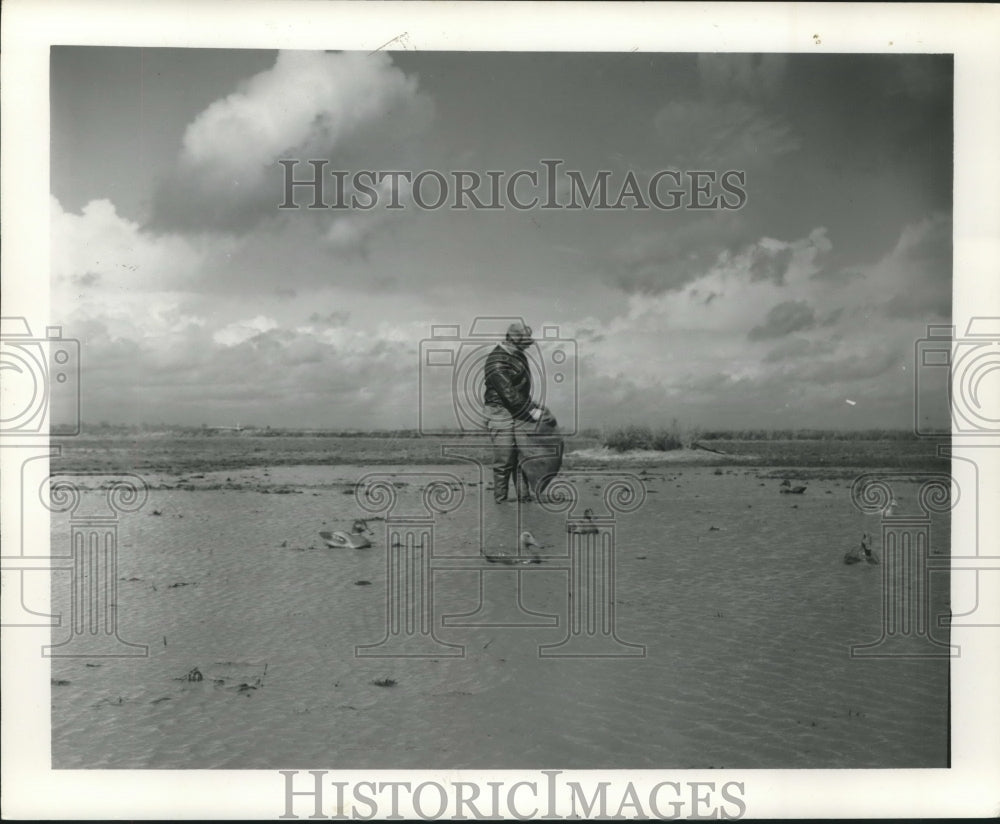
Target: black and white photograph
[403, 424]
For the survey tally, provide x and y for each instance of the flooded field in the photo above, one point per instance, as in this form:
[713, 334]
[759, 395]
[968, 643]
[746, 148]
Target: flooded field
[734, 616]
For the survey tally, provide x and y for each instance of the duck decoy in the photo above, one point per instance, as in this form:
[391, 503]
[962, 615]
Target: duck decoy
[528, 540]
[587, 527]
[870, 556]
[525, 541]
[788, 489]
[863, 552]
[355, 539]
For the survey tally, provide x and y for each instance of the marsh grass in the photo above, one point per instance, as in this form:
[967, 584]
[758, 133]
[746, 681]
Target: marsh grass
[627, 438]
[665, 439]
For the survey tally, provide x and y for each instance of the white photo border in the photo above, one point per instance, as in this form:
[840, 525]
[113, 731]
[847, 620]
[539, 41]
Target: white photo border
[970, 32]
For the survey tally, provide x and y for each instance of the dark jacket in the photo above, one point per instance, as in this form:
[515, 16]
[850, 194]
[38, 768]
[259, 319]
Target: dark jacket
[508, 382]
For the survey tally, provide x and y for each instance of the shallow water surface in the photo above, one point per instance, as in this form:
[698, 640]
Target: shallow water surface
[738, 594]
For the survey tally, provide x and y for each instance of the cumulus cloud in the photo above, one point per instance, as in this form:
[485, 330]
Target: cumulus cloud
[757, 325]
[677, 254]
[913, 281]
[257, 371]
[240, 331]
[683, 252]
[689, 352]
[153, 310]
[98, 247]
[131, 281]
[352, 234]
[307, 101]
[918, 271]
[343, 107]
[704, 312]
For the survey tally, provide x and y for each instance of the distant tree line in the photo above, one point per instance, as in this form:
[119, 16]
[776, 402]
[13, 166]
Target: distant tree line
[811, 435]
[620, 439]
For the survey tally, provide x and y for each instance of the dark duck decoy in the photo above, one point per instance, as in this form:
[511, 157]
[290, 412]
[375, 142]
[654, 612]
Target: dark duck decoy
[862, 553]
[587, 527]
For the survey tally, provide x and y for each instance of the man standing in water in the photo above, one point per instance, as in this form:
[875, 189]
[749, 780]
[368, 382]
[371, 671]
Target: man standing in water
[508, 408]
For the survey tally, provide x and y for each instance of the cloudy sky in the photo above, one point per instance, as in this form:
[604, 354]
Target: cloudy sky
[197, 300]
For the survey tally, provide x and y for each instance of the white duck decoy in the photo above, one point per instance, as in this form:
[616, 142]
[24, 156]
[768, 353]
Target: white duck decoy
[526, 543]
[528, 540]
[588, 527]
[355, 539]
[862, 552]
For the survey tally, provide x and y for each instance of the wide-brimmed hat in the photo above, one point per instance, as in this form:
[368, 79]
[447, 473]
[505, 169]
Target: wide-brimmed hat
[520, 332]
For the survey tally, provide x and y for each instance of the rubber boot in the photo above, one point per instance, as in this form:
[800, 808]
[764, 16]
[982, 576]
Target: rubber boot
[501, 480]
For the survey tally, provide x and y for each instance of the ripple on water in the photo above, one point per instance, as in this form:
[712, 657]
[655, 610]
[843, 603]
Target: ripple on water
[747, 630]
